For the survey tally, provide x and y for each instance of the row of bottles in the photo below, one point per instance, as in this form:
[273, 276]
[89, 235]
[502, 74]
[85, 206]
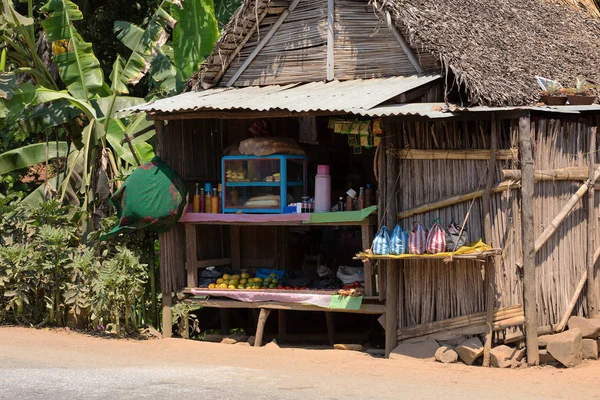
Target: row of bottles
[355, 201]
[208, 199]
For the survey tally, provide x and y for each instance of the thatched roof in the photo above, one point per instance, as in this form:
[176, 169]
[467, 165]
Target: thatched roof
[494, 48]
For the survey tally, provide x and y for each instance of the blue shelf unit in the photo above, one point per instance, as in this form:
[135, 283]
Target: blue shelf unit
[256, 185]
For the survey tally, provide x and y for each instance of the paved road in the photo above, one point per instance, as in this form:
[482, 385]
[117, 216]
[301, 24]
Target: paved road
[53, 365]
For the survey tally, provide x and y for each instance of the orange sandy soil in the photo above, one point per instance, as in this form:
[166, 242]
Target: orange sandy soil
[320, 373]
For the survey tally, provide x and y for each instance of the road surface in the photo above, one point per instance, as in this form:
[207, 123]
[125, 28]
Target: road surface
[61, 364]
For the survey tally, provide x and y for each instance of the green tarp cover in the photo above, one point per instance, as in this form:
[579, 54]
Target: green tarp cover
[345, 302]
[152, 197]
[346, 216]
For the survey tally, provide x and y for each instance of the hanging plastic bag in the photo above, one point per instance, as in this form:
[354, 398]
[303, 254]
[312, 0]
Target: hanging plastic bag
[399, 241]
[454, 238]
[418, 239]
[381, 243]
[436, 239]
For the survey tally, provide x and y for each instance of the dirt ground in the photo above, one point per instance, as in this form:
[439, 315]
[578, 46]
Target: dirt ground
[59, 364]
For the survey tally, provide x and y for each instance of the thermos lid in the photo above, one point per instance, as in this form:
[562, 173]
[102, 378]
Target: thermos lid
[323, 169]
[351, 193]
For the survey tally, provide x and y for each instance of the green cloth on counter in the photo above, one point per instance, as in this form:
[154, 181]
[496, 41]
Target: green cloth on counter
[341, 216]
[345, 302]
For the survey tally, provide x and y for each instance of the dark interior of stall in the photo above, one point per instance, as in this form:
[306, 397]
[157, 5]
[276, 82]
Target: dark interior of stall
[298, 250]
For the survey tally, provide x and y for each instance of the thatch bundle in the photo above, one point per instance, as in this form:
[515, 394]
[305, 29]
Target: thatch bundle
[495, 48]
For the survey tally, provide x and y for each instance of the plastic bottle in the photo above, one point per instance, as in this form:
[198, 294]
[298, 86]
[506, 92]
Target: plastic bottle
[360, 203]
[350, 199]
[341, 204]
[368, 196]
[202, 206]
[215, 201]
[220, 196]
[322, 189]
[196, 199]
[208, 198]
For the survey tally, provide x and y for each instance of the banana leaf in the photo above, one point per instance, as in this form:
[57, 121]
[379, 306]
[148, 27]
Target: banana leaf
[10, 17]
[196, 20]
[115, 136]
[163, 72]
[30, 155]
[8, 81]
[77, 65]
[144, 43]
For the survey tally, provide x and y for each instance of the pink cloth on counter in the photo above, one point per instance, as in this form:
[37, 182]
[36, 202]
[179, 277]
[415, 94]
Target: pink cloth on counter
[320, 300]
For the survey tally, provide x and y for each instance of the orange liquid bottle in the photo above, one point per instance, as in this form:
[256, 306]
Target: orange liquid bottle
[196, 199]
[215, 202]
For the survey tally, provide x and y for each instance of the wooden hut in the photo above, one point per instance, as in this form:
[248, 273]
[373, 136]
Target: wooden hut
[463, 140]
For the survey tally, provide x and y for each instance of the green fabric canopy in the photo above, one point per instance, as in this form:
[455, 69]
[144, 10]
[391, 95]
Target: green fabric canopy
[152, 197]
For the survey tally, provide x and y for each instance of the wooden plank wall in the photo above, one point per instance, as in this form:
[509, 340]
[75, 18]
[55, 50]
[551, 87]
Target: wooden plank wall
[436, 291]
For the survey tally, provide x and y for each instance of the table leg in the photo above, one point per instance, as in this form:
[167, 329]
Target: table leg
[329, 318]
[260, 327]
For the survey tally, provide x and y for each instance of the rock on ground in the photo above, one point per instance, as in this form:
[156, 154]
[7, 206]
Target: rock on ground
[546, 358]
[251, 340]
[544, 340]
[453, 342]
[446, 355]
[589, 349]
[423, 349]
[470, 350]
[590, 328]
[272, 345]
[505, 357]
[215, 338]
[566, 347]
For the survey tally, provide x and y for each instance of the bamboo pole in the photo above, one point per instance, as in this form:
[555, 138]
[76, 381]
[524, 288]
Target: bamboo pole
[471, 154]
[527, 224]
[448, 201]
[564, 212]
[592, 295]
[489, 269]
[167, 318]
[392, 274]
[559, 174]
[563, 322]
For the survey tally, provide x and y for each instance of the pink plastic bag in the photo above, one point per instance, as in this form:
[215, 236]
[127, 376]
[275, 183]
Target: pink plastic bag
[436, 239]
[417, 240]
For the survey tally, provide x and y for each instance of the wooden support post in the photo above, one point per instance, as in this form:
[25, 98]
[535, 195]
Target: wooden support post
[382, 169]
[167, 318]
[236, 257]
[392, 269]
[281, 326]
[330, 40]
[528, 238]
[260, 327]
[367, 239]
[592, 295]
[329, 318]
[191, 255]
[490, 278]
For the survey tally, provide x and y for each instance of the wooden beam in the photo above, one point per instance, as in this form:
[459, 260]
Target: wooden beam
[367, 238]
[527, 225]
[191, 255]
[592, 291]
[473, 154]
[459, 322]
[559, 174]
[490, 278]
[263, 42]
[330, 40]
[448, 201]
[392, 286]
[167, 318]
[260, 328]
[405, 47]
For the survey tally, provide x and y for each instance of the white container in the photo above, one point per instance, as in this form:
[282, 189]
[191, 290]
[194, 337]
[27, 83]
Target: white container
[322, 189]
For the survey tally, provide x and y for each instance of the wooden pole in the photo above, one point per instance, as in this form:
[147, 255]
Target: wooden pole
[381, 265]
[527, 224]
[330, 40]
[592, 295]
[392, 273]
[490, 278]
[167, 318]
[559, 174]
[260, 327]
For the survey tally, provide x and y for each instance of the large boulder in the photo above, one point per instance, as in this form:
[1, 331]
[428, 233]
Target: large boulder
[566, 347]
[546, 358]
[544, 340]
[446, 355]
[423, 349]
[589, 349]
[505, 357]
[470, 350]
[590, 328]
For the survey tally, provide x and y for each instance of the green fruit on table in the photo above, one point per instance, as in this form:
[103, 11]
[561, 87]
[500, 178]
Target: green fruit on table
[272, 286]
[275, 282]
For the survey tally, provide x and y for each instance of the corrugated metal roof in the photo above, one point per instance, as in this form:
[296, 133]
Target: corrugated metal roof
[351, 96]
